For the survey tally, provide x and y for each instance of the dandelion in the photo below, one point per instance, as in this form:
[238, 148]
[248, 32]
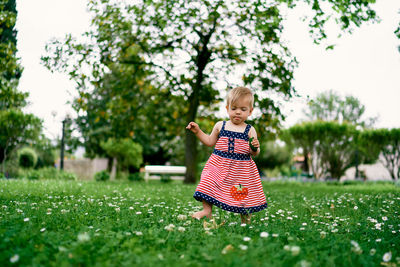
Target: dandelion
[246, 239]
[264, 234]
[181, 229]
[243, 247]
[387, 256]
[83, 237]
[26, 220]
[14, 258]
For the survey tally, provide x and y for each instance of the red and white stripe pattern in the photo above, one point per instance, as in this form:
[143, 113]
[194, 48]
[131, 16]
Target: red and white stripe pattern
[221, 173]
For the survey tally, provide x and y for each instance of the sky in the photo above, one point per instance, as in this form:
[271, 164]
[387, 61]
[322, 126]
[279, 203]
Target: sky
[364, 64]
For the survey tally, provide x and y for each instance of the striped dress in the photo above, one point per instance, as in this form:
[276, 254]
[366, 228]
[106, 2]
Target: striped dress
[230, 179]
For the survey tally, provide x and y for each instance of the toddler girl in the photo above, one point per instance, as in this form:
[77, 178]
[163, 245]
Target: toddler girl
[230, 179]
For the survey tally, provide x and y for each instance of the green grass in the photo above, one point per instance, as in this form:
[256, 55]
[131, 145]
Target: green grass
[66, 223]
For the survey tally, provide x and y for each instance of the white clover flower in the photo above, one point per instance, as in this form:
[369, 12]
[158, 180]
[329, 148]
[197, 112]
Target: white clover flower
[243, 224]
[243, 247]
[130, 208]
[286, 247]
[275, 235]
[26, 220]
[182, 217]
[387, 256]
[14, 258]
[42, 230]
[181, 229]
[246, 239]
[384, 218]
[83, 237]
[264, 234]
[372, 252]
[378, 240]
[138, 212]
[169, 227]
[322, 234]
[295, 250]
[355, 207]
[118, 209]
[139, 233]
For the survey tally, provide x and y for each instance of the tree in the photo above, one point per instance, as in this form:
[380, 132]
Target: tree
[330, 106]
[189, 46]
[329, 146]
[387, 143]
[16, 128]
[125, 151]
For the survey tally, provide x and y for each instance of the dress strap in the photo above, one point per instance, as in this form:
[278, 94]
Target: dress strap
[223, 126]
[246, 131]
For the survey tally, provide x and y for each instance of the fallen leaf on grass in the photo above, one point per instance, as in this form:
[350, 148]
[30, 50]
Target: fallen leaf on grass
[227, 249]
[212, 224]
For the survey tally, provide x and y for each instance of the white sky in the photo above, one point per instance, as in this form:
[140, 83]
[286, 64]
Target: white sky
[365, 64]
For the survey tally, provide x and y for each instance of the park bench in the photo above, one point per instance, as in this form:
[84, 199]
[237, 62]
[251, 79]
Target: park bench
[164, 169]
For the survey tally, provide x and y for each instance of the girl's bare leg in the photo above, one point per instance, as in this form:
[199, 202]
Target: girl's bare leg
[207, 211]
[246, 218]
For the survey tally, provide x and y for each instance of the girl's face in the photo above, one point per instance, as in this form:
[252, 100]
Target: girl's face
[239, 111]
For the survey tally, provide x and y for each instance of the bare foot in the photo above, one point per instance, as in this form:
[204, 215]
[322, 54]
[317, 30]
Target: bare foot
[200, 214]
[245, 218]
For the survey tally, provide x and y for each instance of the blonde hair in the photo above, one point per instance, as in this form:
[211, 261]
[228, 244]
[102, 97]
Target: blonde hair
[237, 93]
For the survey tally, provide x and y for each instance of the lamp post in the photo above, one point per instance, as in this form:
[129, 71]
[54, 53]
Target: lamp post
[67, 119]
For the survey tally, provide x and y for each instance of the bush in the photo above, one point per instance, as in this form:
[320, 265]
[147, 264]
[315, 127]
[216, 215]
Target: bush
[102, 176]
[48, 173]
[27, 157]
[136, 176]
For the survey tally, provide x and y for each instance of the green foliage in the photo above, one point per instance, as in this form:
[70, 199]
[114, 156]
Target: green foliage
[48, 173]
[386, 142]
[330, 106]
[273, 156]
[136, 176]
[102, 176]
[46, 151]
[127, 152]
[27, 157]
[329, 146]
[16, 128]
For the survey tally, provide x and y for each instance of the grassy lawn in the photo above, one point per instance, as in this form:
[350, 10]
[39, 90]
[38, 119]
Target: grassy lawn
[64, 223]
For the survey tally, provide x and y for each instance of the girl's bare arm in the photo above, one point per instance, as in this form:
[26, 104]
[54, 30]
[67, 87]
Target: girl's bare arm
[208, 140]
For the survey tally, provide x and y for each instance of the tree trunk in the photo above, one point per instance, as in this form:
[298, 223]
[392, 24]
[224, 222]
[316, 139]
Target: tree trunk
[202, 60]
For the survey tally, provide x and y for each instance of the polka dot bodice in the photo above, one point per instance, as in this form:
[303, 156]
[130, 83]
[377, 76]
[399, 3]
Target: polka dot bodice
[233, 145]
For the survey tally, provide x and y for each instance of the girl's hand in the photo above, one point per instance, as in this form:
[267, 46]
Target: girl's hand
[193, 127]
[254, 144]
